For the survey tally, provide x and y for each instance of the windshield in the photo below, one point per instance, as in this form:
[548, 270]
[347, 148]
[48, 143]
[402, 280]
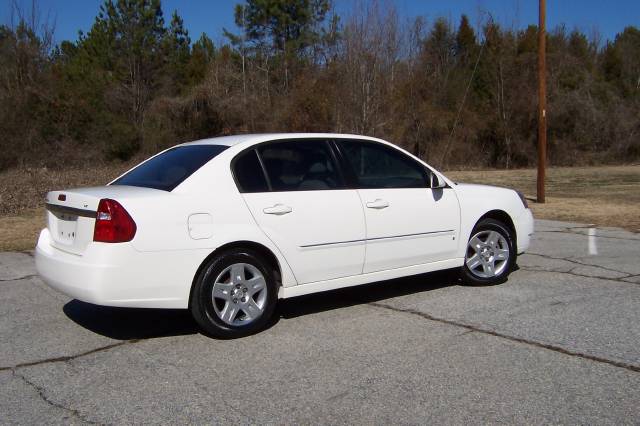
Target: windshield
[169, 169]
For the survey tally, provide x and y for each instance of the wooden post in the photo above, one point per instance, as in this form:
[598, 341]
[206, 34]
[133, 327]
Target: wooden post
[542, 102]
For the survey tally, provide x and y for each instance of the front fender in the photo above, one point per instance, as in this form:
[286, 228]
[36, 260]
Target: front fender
[478, 200]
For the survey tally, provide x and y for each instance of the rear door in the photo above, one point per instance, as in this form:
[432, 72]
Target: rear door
[297, 195]
[407, 222]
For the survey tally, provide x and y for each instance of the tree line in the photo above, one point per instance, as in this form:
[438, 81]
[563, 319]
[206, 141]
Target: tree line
[455, 94]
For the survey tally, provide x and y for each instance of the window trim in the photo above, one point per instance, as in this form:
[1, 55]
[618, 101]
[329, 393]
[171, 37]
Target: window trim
[352, 176]
[333, 153]
[232, 166]
[264, 170]
[348, 176]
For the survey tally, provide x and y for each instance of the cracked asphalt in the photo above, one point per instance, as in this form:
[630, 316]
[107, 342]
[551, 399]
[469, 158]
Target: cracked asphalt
[559, 342]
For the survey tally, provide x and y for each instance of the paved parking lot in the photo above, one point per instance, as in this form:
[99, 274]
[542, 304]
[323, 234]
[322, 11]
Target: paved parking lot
[558, 343]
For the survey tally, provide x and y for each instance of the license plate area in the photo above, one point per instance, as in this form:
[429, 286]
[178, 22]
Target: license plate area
[65, 228]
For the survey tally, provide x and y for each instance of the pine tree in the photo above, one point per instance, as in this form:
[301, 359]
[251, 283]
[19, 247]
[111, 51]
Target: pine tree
[465, 40]
[176, 45]
[285, 24]
[202, 53]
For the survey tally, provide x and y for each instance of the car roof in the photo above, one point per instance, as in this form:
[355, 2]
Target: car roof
[250, 139]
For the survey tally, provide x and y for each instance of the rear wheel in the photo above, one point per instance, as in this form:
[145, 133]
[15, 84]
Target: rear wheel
[234, 295]
[490, 254]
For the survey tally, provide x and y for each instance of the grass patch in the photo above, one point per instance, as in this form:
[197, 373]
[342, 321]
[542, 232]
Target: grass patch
[603, 196]
[20, 232]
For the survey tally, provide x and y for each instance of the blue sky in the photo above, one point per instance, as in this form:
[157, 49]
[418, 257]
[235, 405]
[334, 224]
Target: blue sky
[210, 16]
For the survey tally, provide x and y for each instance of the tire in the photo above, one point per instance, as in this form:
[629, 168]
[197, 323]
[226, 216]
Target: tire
[245, 294]
[490, 254]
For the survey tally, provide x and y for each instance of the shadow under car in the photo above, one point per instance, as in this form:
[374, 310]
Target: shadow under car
[144, 323]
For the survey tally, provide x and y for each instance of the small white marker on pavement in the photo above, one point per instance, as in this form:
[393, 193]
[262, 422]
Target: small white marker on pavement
[593, 248]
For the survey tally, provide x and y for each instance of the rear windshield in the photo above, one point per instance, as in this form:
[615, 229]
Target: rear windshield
[171, 168]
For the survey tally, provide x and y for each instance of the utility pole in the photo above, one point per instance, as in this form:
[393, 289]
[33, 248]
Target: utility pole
[244, 78]
[542, 101]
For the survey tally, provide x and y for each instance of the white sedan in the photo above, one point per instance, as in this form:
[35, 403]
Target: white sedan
[227, 226]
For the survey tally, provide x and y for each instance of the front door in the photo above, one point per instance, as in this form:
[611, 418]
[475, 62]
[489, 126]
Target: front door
[408, 223]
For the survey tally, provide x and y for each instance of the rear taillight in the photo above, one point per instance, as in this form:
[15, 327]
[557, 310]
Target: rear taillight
[113, 223]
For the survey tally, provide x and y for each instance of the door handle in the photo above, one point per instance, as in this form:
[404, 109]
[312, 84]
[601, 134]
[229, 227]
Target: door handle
[278, 210]
[378, 204]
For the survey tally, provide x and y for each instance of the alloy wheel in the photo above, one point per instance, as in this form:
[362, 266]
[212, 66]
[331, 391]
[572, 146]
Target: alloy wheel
[487, 254]
[239, 294]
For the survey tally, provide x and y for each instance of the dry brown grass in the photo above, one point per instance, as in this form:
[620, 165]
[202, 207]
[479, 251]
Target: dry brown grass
[24, 188]
[604, 196]
[20, 232]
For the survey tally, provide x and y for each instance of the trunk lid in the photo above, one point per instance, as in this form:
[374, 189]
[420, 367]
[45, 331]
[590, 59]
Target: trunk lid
[71, 213]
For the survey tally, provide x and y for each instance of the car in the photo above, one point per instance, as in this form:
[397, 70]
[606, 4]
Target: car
[227, 226]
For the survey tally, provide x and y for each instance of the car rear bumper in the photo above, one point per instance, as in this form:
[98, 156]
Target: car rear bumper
[524, 230]
[118, 275]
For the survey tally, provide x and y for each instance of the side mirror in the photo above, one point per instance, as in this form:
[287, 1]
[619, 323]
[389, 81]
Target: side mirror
[436, 182]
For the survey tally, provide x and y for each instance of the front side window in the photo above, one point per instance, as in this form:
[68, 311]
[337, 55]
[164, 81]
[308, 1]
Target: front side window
[300, 166]
[169, 169]
[374, 165]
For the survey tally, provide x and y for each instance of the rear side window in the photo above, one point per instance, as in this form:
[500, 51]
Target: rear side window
[169, 169]
[378, 166]
[249, 174]
[300, 166]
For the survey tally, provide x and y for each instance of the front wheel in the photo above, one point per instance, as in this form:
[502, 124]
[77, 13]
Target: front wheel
[490, 254]
[234, 295]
